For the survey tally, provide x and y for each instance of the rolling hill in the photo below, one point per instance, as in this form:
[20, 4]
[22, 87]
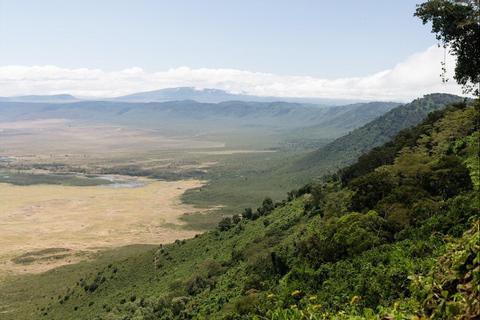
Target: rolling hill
[346, 149]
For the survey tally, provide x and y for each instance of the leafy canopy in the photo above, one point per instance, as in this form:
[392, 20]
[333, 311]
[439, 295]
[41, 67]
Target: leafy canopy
[457, 24]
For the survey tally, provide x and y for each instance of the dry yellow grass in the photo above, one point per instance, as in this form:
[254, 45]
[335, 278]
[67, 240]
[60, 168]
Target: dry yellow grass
[86, 218]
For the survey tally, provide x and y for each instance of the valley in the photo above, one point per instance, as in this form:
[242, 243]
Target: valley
[258, 160]
[56, 190]
[92, 202]
[195, 172]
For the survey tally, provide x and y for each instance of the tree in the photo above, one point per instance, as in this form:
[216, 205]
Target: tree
[236, 218]
[267, 206]
[225, 224]
[456, 24]
[247, 213]
[371, 188]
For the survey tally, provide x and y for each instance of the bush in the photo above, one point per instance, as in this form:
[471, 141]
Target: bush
[225, 224]
[247, 213]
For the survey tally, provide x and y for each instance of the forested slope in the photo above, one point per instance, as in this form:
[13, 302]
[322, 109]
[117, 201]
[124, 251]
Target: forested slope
[346, 149]
[363, 250]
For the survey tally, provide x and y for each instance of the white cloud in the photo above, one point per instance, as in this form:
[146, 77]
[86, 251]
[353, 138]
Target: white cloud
[410, 79]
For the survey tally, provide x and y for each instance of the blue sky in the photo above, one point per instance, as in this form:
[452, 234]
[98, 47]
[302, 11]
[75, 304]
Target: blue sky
[326, 40]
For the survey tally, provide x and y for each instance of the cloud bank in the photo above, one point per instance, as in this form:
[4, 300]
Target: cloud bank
[410, 79]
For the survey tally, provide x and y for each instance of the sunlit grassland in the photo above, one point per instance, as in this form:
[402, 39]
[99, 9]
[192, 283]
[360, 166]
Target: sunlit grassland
[22, 293]
[194, 178]
[87, 218]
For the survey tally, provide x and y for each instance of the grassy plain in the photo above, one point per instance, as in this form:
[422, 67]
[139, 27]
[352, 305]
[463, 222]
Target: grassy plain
[86, 218]
[56, 215]
[52, 139]
[46, 225]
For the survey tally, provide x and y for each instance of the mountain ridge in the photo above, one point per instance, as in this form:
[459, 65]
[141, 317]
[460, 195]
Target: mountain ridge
[280, 115]
[375, 133]
[207, 95]
[61, 98]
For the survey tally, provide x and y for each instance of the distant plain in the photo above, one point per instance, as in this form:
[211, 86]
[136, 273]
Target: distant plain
[49, 220]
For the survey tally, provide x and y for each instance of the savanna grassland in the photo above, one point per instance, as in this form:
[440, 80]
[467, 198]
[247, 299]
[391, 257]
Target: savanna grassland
[70, 188]
[86, 218]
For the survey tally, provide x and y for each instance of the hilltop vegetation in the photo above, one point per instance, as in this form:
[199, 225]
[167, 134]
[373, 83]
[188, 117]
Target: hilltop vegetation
[346, 149]
[337, 250]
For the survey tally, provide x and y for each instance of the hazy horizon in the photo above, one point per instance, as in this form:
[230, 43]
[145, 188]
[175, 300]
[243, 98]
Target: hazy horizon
[367, 51]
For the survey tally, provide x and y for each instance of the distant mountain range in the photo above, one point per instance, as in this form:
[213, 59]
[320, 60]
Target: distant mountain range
[57, 98]
[180, 94]
[216, 95]
[327, 122]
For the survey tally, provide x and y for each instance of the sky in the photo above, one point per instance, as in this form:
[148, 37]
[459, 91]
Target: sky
[371, 49]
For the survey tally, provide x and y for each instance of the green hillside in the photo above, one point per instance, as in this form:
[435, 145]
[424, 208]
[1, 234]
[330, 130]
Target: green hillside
[346, 149]
[348, 117]
[363, 250]
[288, 169]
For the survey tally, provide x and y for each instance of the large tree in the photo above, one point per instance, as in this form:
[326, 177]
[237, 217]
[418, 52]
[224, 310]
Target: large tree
[457, 25]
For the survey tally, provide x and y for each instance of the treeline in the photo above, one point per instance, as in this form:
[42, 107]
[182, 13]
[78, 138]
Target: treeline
[423, 186]
[171, 173]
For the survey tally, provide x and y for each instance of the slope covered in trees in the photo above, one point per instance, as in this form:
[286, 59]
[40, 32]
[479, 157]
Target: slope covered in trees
[346, 149]
[361, 250]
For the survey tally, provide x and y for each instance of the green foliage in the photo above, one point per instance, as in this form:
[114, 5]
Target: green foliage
[449, 177]
[225, 224]
[456, 23]
[451, 290]
[247, 213]
[371, 188]
[407, 138]
[471, 161]
[345, 150]
[267, 206]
